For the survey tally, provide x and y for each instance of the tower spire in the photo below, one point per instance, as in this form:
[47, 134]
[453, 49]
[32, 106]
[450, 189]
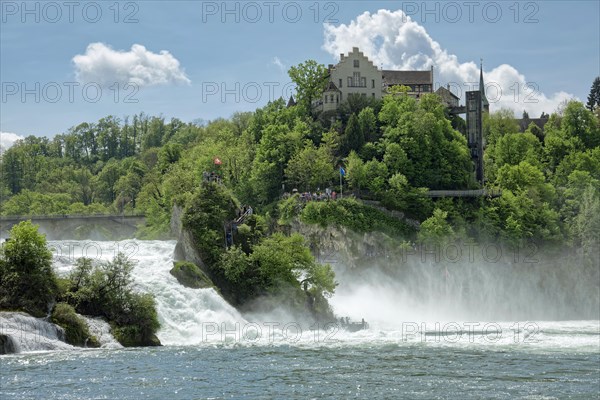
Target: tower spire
[486, 104]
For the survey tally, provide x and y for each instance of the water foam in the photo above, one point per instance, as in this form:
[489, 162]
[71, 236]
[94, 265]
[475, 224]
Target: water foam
[183, 312]
[32, 334]
[397, 314]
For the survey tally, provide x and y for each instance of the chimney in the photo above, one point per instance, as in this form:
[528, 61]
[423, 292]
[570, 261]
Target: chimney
[341, 56]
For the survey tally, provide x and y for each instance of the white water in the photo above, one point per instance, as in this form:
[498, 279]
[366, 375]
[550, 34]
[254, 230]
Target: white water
[399, 312]
[32, 334]
[100, 329]
[184, 313]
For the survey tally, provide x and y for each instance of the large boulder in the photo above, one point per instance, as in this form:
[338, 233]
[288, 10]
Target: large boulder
[189, 275]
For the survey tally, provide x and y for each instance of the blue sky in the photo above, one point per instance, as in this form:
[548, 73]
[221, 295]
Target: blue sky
[537, 53]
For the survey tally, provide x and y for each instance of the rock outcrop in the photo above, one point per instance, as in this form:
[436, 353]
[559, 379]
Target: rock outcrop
[185, 249]
[190, 275]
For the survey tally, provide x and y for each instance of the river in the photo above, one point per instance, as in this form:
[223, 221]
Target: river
[211, 351]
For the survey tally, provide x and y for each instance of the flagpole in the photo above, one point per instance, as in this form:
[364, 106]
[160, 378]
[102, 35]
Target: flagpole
[341, 187]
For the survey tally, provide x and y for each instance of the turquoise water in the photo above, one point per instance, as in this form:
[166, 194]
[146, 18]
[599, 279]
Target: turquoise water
[422, 342]
[385, 371]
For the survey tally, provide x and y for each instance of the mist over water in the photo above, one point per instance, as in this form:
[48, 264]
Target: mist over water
[415, 343]
[402, 300]
[390, 291]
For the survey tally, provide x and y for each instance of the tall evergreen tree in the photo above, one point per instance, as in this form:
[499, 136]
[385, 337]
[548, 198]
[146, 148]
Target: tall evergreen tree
[353, 136]
[594, 96]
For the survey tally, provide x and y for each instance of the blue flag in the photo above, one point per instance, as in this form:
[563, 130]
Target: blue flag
[342, 171]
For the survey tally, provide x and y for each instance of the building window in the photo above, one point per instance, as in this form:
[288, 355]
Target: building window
[356, 64]
[372, 83]
[373, 95]
[350, 81]
[363, 82]
[340, 82]
[356, 79]
[325, 98]
[337, 98]
[331, 98]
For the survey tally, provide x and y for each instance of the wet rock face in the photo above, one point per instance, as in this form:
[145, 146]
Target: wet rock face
[185, 250]
[8, 345]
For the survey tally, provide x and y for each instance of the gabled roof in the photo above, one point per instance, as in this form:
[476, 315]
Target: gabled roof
[391, 77]
[446, 92]
[331, 87]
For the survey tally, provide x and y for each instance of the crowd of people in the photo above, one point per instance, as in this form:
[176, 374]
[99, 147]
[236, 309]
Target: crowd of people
[211, 177]
[328, 194]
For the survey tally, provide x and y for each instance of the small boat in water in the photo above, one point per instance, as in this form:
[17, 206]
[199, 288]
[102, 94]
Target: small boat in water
[353, 326]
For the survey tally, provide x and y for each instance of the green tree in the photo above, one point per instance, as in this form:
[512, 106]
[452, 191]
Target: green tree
[27, 281]
[581, 123]
[436, 229]
[438, 157]
[353, 138]
[205, 214]
[277, 145]
[498, 124]
[283, 260]
[355, 103]
[587, 223]
[311, 80]
[310, 168]
[33, 203]
[355, 171]
[106, 290]
[367, 120]
[376, 175]
[593, 100]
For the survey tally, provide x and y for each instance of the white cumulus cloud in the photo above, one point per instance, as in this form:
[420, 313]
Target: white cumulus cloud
[7, 139]
[103, 65]
[392, 40]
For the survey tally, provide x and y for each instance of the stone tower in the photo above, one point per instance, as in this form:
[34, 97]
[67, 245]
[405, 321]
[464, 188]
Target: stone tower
[477, 103]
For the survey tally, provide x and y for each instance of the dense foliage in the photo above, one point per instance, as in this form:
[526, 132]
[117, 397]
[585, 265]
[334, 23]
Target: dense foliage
[393, 151]
[27, 281]
[76, 330]
[105, 290]
[355, 216]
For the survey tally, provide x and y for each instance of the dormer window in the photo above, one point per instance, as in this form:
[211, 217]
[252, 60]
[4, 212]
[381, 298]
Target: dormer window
[356, 64]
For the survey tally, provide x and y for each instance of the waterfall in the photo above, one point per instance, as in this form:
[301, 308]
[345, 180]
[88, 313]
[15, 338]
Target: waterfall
[183, 312]
[32, 334]
[100, 329]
